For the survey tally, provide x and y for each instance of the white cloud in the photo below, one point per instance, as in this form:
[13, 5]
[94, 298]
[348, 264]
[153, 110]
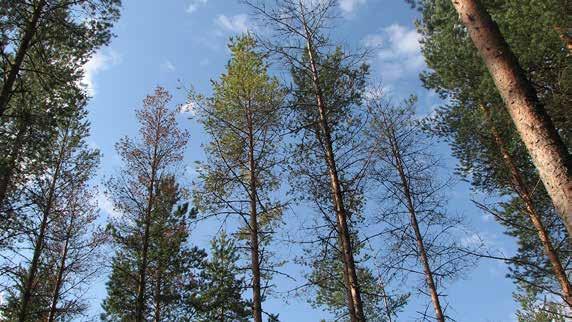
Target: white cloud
[99, 62]
[399, 51]
[168, 66]
[188, 108]
[235, 24]
[348, 6]
[194, 5]
[106, 206]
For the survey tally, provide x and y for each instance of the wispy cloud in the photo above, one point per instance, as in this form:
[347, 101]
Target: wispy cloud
[348, 6]
[235, 24]
[194, 5]
[188, 108]
[168, 66]
[106, 206]
[399, 51]
[99, 62]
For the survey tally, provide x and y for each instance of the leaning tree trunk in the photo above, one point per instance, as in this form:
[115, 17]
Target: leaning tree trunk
[39, 245]
[415, 224]
[60, 274]
[548, 152]
[6, 177]
[16, 66]
[354, 302]
[525, 195]
[254, 243]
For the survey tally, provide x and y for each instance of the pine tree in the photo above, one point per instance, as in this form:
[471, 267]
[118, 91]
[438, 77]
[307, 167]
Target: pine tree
[424, 237]
[221, 291]
[173, 269]
[46, 38]
[298, 38]
[459, 74]
[49, 203]
[243, 120]
[154, 271]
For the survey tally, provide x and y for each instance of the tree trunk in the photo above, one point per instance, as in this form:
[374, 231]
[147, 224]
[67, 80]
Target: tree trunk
[158, 295]
[59, 278]
[6, 179]
[524, 193]
[31, 276]
[23, 48]
[254, 243]
[354, 303]
[413, 218]
[548, 152]
[140, 307]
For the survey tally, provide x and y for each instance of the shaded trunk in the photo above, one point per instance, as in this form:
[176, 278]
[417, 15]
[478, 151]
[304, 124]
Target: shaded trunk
[28, 35]
[60, 274]
[158, 295]
[32, 271]
[6, 179]
[354, 301]
[254, 243]
[525, 195]
[548, 152]
[415, 224]
[140, 307]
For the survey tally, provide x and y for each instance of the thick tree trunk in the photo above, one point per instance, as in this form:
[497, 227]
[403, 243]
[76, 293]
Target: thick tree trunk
[524, 193]
[419, 238]
[254, 243]
[548, 152]
[31, 276]
[24, 46]
[59, 278]
[354, 302]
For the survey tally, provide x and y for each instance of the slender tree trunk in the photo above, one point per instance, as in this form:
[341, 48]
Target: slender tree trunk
[140, 308]
[354, 303]
[31, 276]
[6, 179]
[548, 152]
[28, 35]
[414, 223]
[524, 193]
[386, 303]
[60, 274]
[254, 243]
[158, 295]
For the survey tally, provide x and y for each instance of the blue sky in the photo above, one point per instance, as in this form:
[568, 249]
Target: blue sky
[182, 43]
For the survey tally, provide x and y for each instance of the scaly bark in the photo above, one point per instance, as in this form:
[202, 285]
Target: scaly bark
[546, 148]
[525, 195]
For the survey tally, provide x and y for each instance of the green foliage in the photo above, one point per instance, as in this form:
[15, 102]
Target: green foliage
[532, 30]
[533, 310]
[243, 119]
[174, 266]
[51, 193]
[221, 289]
[343, 86]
